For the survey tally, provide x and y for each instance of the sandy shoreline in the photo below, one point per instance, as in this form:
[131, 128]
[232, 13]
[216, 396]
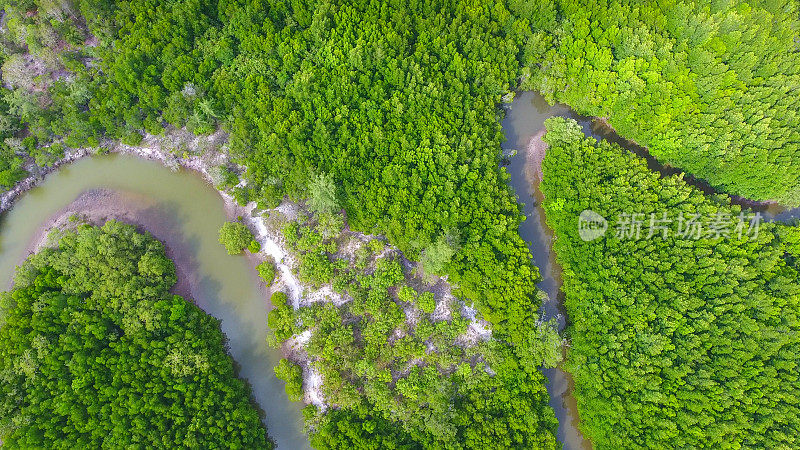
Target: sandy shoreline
[153, 148]
[8, 198]
[99, 205]
[96, 206]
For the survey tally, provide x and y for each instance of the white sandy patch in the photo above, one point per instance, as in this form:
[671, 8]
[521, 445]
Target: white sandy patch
[443, 308]
[312, 381]
[468, 312]
[429, 347]
[166, 149]
[325, 294]
[412, 315]
[303, 337]
[289, 210]
[272, 245]
[479, 330]
[349, 249]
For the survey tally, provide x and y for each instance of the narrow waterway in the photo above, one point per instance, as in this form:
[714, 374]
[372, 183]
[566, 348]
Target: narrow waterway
[523, 126]
[180, 209]
[524, 120]
[600, 130]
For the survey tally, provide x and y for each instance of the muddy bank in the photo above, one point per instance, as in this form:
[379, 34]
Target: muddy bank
[97, 206]
[524, 127]
[168, 149]
[7, 198]
[561, 383]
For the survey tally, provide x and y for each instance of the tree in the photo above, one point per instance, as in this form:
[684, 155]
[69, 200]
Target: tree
[426, 302]
[292, 374]
[670, 77]
[322, 194]
[436, 256]
[91, 326]
[266, 270]
[378, 357]
[235, 236]
[671, 333]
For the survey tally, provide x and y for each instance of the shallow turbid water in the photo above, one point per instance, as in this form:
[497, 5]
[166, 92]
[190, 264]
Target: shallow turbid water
[182, 210]
[524, 119]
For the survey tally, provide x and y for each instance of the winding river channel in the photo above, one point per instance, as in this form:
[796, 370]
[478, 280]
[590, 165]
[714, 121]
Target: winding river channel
[182, 210]
[524, 122]
[523, 126]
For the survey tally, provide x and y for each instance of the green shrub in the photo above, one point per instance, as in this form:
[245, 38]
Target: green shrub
[266, 270]
[235, 236]
[281, 320]
[279, 299]
[132, 138]
[426, 302]
[407, 294]
[292, 374]
[322, 194]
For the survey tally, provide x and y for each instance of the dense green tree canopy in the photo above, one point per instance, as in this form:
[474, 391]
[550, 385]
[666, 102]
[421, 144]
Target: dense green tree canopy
[678, 341]
[399, 367]
[388, 110]
[394, 102]
[95, 352]
[708, 86]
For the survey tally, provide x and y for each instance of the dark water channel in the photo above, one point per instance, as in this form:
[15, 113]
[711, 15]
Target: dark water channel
[524, 123]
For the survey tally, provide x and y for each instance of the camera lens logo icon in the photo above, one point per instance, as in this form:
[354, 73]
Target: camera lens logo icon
[591, 225]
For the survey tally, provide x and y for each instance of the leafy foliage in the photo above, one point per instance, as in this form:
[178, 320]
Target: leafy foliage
[95, 352]
[236, 237]
[322, 194]
[292, 374]
[675, 342]
[436, 257]
[396, 374]
[266, 270]
[11, 165]
[710, 87]
[372, 95]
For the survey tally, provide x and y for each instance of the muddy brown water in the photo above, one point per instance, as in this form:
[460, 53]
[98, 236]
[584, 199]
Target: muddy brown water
[183, 211]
